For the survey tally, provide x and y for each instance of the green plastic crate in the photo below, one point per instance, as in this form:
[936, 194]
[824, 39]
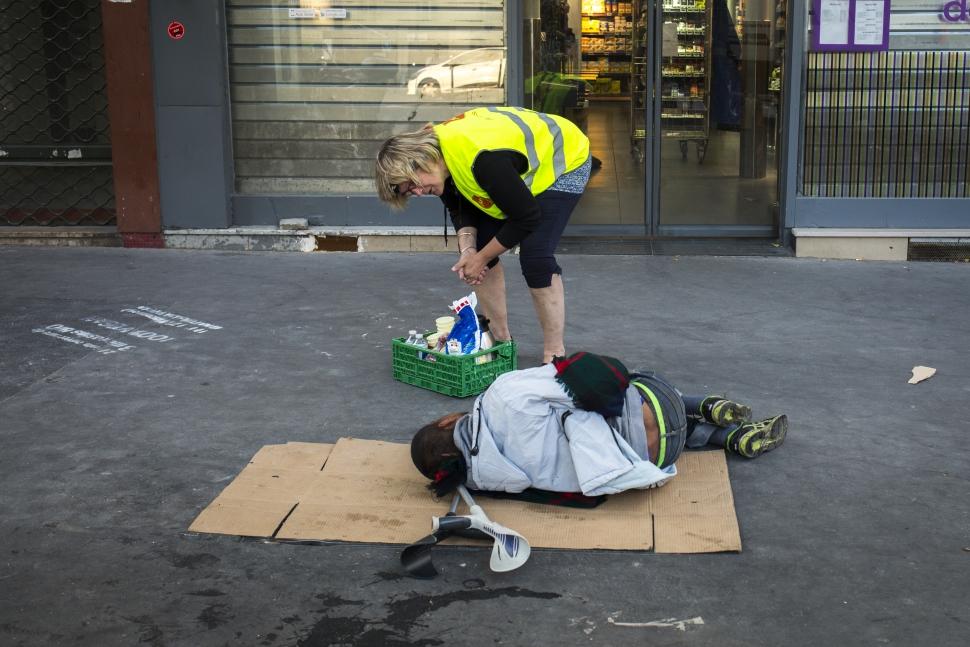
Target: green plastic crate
[455, 375]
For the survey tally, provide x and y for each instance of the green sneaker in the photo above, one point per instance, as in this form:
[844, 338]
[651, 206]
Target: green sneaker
[725, 413]
[756, 438]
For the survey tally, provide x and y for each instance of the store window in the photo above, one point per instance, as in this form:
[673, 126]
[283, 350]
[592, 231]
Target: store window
[605, 46]
[684, 111]
[316, 86]
[894, 123]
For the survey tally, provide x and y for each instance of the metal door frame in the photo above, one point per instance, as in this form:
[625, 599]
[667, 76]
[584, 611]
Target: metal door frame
[651, 136]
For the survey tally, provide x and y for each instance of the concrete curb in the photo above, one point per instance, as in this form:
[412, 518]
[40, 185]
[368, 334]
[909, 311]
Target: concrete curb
[60, 236]
[310, 239]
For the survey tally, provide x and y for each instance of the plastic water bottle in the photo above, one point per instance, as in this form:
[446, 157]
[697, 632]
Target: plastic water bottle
[411, 336]
[421, 342]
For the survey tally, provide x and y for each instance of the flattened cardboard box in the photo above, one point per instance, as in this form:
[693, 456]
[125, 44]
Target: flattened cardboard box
[368, 491]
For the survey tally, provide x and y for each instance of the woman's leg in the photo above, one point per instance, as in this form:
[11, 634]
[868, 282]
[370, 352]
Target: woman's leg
[543, 274]
[550, 306]
[492, 303]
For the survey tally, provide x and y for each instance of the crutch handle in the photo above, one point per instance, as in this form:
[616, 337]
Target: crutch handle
[450, 523]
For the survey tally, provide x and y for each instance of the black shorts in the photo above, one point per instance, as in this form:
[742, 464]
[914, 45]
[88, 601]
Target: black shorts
[537, 250]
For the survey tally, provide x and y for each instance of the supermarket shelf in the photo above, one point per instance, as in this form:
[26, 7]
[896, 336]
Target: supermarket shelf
[685, 134]
[682, 115]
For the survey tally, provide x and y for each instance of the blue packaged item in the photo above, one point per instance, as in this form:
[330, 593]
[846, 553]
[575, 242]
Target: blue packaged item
[465, 331]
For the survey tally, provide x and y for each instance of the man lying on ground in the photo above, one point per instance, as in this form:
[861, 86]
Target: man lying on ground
[582, 424]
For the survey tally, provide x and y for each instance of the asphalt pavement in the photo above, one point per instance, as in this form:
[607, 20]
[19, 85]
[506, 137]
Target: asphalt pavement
[135, 384]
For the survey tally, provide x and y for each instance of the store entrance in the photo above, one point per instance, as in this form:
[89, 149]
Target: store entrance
[683, 103]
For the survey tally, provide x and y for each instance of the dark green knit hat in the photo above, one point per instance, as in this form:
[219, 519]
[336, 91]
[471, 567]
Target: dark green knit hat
[596, 382]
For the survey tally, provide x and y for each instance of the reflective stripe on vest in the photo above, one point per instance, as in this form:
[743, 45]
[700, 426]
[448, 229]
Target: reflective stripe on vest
[530, 145]
[552, 146]
[558, 154]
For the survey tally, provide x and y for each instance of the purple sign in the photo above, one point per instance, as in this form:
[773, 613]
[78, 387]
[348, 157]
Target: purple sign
[851, 25]
[956, 11]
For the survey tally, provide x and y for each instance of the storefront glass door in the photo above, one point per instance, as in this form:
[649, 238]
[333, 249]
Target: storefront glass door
[716, 108]
[681, 100]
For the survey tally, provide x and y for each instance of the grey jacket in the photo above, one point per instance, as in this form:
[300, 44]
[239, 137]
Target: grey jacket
[525, 431]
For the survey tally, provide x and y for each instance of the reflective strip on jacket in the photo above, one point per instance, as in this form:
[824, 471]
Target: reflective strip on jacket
[552, 145]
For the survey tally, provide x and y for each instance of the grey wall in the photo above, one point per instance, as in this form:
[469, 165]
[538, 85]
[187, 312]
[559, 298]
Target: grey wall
[883, 213]
[192, 115]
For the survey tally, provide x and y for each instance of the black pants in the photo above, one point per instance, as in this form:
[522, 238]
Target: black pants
[537, 251]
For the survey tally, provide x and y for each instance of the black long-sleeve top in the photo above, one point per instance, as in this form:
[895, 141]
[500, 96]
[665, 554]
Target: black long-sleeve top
[499, 173]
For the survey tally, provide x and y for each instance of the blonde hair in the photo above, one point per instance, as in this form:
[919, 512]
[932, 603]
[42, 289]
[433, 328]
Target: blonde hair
[399, 160]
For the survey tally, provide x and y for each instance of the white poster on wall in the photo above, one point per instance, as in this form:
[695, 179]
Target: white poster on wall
[870, 16]
[833, 22]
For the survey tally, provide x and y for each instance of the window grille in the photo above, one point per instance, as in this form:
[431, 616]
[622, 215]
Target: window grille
[55, 150]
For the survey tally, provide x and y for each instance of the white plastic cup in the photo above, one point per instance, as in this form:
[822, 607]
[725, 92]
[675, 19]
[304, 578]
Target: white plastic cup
[444, 324]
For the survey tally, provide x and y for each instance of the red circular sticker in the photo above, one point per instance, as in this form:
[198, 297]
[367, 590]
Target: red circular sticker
[176, 30]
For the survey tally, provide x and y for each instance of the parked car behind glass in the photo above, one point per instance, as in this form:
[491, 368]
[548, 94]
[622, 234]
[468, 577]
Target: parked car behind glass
[476, 68]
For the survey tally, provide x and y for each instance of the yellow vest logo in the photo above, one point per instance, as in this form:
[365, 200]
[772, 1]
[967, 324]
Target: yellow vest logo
[455, 118]
[482, 201]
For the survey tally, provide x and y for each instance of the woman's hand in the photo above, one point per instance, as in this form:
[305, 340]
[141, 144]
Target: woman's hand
[471, 268]
[472, 264]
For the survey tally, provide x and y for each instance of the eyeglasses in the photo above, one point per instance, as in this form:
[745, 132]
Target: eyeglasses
[410, 186]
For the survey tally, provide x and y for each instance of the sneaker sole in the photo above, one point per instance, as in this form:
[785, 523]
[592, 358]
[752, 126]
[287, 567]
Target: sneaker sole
[734, 414]
[764, 441]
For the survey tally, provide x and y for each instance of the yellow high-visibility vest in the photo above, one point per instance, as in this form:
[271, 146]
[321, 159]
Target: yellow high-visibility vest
[552, 145]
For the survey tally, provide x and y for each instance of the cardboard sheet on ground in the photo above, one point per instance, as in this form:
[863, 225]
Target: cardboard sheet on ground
[368, 491]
